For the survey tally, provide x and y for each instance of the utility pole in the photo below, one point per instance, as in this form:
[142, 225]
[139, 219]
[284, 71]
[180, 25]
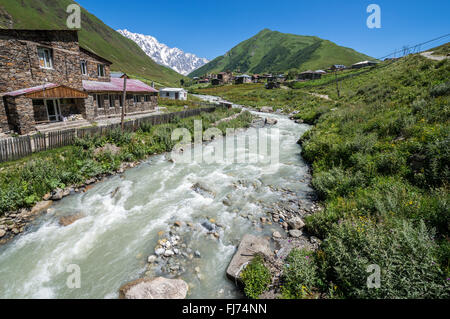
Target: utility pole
[337, 84]
[124, 100]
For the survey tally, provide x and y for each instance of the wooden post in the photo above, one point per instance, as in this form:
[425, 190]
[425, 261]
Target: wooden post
[124, 99]
[337, 84]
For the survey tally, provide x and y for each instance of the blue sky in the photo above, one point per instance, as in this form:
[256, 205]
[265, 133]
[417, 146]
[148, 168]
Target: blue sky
[210, 28]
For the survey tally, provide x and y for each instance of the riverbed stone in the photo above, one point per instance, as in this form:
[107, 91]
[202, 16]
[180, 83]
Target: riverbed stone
[151, 259]
[58, 194]
[41, 206]
[276, 235]
[69, 220]
[296, 223]
[169, 253]
[248, 248]
[159, 251]
[295, 233]
[266, 109]
[157, 288]
[203, 190]
[2, 233]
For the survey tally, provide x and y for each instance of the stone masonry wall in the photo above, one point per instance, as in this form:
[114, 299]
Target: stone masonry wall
[92, 67]
[4, 127]
[21, 114]
[19, 60]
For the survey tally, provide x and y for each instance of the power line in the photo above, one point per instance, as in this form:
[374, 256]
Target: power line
[415, 48]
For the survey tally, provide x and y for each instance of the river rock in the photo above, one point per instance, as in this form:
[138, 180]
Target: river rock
[41, 206]
[159, 251]
[276, 235]
[2, 233]
[58, 194]
[248, 248]
[296, 223]
[269, 121]
[151, 259]
[266, 109]
[295, 233]
[208, 225]
[69, 220]
[169, 253]
[198, 254]
[157, 288]
[203, 190]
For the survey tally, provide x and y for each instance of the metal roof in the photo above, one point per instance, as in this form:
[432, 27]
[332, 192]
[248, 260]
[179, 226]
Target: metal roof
[116, 85]
[171, 90]
[32, 89]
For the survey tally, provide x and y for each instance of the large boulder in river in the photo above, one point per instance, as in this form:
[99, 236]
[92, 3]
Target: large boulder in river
[249, 247]
[296, 223]
[156, 288]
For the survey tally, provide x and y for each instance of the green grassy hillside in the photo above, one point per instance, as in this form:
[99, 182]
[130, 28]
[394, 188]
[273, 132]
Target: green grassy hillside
[272, 51]
[94, 35]
[380, 156]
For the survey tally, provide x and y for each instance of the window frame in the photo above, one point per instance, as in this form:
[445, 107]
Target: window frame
[100, 97]
[101, 67]
[47, 53]
[85, 70]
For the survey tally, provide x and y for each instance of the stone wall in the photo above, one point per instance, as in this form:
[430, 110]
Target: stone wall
[93, 61]
[4, 127]
[21, 114]
[19, 60]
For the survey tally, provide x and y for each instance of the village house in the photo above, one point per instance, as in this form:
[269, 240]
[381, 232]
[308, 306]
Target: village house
[46, 77]
[309, 75]
[363, 64]
[241, 79]
[173, 93]
[223, 78]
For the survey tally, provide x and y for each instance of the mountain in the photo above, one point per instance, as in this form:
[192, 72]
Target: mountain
[94, 35]
[272, 51]
[174, 58]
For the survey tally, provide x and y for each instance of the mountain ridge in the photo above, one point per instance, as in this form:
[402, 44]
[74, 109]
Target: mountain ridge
[273, 51]
[174, 58]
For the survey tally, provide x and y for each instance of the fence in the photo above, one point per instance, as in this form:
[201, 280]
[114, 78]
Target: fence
[19, 147]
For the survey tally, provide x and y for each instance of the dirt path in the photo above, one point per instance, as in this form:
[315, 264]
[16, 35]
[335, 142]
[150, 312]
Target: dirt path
[429, 55]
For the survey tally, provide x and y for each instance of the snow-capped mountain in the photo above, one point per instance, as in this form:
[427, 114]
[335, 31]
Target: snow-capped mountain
[173, 58]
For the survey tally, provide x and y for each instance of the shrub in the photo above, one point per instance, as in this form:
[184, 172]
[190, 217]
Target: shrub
[256, 278]
[404, 252]
[300, 276]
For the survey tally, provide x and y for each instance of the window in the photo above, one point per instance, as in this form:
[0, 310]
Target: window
[112, 101]
[120, 97]
[101, 70]
[167, 94]
[100, 101]
[84, 68]
[45, 58]
[146, 98]
[136, 99]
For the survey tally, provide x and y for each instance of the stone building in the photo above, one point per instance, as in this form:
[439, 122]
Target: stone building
[46, 77]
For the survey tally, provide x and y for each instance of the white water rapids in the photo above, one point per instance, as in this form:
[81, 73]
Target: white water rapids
[112, 243]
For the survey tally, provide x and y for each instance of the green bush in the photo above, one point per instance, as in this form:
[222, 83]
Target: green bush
[256, 278]
[300, 275]
[405, 253]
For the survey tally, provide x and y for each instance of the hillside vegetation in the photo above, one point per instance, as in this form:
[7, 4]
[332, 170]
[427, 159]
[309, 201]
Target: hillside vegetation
[272, 51]
[94, 35]
[380, 156]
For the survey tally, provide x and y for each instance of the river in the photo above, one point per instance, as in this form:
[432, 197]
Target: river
[111, 244]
